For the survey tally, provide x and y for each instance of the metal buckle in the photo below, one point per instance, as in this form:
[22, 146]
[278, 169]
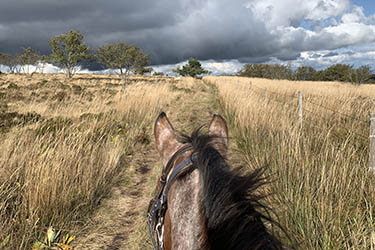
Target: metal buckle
[160, 233]
[162, 179]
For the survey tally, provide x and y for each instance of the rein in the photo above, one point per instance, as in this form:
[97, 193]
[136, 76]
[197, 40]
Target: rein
[158, 205]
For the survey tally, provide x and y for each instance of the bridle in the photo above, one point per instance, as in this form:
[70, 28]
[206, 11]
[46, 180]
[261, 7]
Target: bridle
[158, 205]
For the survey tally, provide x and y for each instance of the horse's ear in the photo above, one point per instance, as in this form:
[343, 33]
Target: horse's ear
[165, 138]
[218, 128]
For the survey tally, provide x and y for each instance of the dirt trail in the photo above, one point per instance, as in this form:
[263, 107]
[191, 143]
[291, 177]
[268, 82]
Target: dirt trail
[120, 222]
[114, 220]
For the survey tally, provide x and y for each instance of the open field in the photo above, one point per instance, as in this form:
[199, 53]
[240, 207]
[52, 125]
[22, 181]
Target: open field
[64, 145]
[78, 156]
[323, 192]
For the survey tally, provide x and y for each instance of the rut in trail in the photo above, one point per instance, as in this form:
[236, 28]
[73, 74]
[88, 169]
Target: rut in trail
[120, 222]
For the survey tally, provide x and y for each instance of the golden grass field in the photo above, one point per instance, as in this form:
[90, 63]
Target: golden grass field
[322, 190]
[65, 144]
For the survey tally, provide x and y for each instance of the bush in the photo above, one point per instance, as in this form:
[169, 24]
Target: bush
[270, 71]
[193, 68]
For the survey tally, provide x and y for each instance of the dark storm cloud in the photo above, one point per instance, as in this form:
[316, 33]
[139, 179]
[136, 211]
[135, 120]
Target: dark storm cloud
[33, 22]
[330, 54]
[169, 30]
[315, 55]
[350, 53]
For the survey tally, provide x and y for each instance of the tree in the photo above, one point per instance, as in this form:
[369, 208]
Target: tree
[270, 71]
[305, 73]
[193, 68]
[68, 50]
[9, 61]
[29, 58]
[362, 74]
[142, 71]
[125, 58]
[339, 72]
[279, 71]
[253, 70]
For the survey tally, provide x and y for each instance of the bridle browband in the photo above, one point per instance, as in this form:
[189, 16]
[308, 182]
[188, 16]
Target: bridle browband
[158, 205]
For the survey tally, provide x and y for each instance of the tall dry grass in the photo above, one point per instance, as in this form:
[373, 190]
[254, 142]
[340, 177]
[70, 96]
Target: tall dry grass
[54, 170]
[322, 191]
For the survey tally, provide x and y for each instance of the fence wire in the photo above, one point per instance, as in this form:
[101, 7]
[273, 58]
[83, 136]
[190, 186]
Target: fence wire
[337, 125]
[335, 111]
[266, 94]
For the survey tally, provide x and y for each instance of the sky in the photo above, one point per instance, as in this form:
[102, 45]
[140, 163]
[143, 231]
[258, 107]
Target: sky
[223, 34]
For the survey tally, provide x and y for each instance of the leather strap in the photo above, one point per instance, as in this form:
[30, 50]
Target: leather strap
[171, 161]
[158, 205]
[177, 170]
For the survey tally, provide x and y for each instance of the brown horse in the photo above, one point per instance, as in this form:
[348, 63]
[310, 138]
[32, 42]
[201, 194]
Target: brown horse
[200, 203]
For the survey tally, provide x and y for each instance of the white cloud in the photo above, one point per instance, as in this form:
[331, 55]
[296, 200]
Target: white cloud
[227, 67]
[334, 24]
[324, 9]
[3, 69]
[167, 68]
[215, 67]
[276, 13]
[355, 16]
[49, 68]
[354, 55]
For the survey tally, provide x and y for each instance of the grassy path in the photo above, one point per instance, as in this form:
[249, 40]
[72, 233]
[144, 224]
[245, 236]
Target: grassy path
[120, 222]
[115, 219]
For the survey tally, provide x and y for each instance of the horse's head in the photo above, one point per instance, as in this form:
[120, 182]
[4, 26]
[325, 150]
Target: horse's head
[184, 197]
[200, 203]
[167, 143]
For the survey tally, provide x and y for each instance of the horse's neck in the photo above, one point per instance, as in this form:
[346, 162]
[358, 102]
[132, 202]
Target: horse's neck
[187, 219]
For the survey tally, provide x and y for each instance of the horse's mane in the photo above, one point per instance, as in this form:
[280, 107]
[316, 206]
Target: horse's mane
[231, 207]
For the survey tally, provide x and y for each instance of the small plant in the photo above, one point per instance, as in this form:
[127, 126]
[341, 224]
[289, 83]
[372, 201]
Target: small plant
[4, 242]
[51, 241]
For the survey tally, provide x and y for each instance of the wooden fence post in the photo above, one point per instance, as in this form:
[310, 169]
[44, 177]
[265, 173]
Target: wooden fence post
[251, 84]
[300, 114]
[372, 144]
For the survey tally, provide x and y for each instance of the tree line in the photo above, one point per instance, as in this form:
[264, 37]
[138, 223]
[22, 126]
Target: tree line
[69, 51]
[337, 72]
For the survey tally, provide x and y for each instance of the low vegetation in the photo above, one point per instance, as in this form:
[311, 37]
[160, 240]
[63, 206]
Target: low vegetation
[336, 72]
[64, 144]
[193, 68]
[321, 188]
